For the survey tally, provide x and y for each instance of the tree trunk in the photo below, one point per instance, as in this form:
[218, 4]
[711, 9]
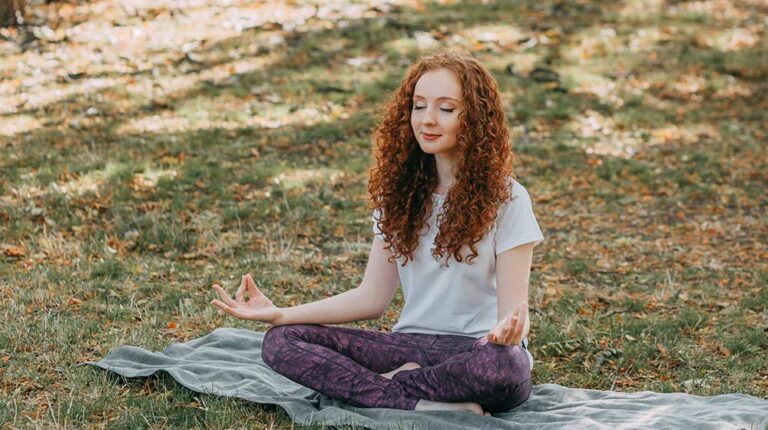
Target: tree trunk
[11, 12]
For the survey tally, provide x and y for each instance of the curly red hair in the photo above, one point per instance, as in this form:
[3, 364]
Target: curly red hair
[403, 177]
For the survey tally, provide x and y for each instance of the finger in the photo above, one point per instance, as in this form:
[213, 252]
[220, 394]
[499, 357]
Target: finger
[220, 305]
[506, 335]
[507, 329]
[228, 309]
[224, 296]
[241, 290]
[496, 335]
[515, 320]
[251, 285]
[491, 336]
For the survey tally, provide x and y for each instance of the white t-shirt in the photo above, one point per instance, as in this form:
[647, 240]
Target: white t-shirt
[461, 299]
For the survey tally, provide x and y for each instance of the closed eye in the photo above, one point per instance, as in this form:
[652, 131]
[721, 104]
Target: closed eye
[444, 110]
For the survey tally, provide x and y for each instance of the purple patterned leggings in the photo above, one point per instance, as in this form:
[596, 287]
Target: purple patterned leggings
[344, 363]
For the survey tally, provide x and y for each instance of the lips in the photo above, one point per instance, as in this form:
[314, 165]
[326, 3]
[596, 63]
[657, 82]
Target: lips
[430, 135]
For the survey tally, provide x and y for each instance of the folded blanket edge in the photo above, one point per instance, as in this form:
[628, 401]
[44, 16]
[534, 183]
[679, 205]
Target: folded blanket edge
[293, 407]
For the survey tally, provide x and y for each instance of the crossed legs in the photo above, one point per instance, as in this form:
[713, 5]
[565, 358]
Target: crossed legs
[348, 363]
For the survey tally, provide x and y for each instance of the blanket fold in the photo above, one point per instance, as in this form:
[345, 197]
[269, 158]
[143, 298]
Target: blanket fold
[227, 362]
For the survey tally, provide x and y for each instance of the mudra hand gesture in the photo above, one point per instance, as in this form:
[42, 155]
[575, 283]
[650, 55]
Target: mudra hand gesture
[257, 308]
[511, 330]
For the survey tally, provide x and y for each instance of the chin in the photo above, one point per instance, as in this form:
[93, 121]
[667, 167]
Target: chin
[431, 149]
[428, 150]
[448, 152]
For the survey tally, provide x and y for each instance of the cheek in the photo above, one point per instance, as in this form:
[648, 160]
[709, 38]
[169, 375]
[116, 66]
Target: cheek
[455, 125]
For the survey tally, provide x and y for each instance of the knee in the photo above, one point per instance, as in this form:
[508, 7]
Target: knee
[270, 344]
[277, 337]
[510, 366]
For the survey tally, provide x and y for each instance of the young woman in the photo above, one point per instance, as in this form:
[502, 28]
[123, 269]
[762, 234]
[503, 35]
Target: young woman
[457, 232]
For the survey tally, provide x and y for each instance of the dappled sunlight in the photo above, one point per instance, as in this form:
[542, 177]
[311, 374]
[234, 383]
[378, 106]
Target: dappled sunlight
[641, 9]
[596, 64]
[18, 124]
[521, 63]
[590, 124]
[56, 248]
[586, 80]
[717, 9]
[139, 56]
[732, 39]
[170, 86]
[685, 134]
[205, 118]
[147, 85]
[605, 137]
[730, 88]
[79, 185]
[689, 85]
[402, 46]
[648, 38]
[637, 10]
[594, 43]
[502, 35]
[147, 180]
[88, 183]
[47, 95]
[299, 178]
[620, 144]
[149, 149]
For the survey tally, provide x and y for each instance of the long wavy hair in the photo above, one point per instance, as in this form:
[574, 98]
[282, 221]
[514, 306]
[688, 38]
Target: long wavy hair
[403, 177]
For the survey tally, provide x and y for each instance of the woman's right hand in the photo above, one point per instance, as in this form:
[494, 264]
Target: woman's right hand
[257, 308]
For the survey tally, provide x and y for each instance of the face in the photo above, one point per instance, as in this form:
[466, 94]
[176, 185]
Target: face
[437, 102]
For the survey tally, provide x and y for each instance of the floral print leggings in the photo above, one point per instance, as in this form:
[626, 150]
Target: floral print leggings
[345, 363]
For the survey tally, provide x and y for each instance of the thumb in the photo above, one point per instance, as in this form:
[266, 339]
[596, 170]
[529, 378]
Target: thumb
[491, 336]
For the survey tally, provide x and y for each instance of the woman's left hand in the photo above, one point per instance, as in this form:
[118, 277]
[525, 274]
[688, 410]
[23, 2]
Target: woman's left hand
[511, 330]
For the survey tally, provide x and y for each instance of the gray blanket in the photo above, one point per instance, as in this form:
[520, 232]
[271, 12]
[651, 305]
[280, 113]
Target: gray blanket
[227, 362]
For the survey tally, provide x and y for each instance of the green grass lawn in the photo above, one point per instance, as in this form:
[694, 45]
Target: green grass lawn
[147, 153]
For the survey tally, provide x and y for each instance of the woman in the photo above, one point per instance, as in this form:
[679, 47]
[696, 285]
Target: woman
[458, 233]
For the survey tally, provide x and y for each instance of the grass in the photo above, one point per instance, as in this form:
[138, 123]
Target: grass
[150, 177]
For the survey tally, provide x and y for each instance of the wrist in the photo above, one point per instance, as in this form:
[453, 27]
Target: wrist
[281, 317]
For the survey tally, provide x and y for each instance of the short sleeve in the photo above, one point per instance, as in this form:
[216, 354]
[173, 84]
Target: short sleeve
[375, 218]
[516, 224]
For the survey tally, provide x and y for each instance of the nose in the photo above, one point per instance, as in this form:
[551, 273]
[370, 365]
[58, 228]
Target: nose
[429, 117]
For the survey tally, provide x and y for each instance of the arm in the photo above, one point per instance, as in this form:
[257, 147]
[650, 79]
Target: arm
[513, 269]
[367, 301]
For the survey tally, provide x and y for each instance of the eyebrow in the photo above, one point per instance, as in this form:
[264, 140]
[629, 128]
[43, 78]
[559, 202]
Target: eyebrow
[439, 98]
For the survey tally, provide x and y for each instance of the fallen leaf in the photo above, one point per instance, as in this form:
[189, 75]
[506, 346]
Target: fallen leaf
[15, 251]
[662, 350]
[723, 350]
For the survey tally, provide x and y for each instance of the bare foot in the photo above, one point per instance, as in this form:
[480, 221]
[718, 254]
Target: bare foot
[407, 366]
[429, 405]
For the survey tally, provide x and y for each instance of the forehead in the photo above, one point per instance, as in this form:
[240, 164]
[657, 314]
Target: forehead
[438, 84]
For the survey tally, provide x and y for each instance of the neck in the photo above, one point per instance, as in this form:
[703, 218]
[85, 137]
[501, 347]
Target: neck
[446, 166]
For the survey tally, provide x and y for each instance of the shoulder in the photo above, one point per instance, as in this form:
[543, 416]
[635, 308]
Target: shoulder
[516, 222]
[518, 195]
